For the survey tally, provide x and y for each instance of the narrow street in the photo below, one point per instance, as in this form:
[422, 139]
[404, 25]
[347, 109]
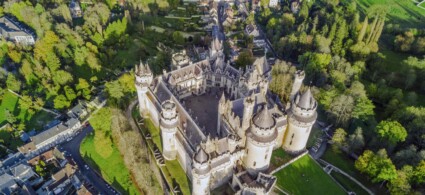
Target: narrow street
[73, 148]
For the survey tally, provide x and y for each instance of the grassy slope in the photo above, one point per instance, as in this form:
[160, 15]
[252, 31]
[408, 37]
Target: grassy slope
[314, 181]
[403, 12]
[32, 121]
[172, 170]
[112, 168]
[109, 163]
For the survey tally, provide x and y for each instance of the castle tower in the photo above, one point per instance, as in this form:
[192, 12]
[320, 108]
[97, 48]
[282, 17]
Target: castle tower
[144, 79]
[302, 117]
[248, 109]
[260, 141]
[298, 81]
[201, 174]
[168, 125]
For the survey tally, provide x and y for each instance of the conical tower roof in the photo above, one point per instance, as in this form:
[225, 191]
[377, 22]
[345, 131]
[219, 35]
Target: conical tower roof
[306, 100]
[201, 156]
[264, 119]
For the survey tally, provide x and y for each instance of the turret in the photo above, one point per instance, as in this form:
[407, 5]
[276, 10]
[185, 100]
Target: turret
[144, 78]
[201, 174]
[260, 141]
[298, 81]
[302, 117]
[168, 125]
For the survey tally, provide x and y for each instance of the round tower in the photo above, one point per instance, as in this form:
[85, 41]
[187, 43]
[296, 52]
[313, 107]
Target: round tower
[168, 125]
[301, 119]
[144, 79]
[260, 141]
[298, 81]
[201, 174]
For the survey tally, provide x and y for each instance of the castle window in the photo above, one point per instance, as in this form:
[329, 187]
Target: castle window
[290, 143]
[293, 135]
[247, 151]
[265, 157]
[254, 163]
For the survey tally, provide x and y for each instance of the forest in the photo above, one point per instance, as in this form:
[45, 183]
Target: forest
[367, 68]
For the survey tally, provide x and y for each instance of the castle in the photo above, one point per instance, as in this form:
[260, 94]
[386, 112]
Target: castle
[221, 123]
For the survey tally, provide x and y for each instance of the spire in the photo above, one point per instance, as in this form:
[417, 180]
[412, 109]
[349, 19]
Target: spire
[141, 67]
[264, 119]
[136, 70]
[223, 98]
[148, 69]
[201, 156]
[306, 100]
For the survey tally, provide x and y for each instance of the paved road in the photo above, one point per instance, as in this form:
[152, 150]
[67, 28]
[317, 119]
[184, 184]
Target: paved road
[73, 147]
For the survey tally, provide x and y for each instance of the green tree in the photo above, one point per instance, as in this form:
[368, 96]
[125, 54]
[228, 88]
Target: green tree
[401, 184]
[83, 88]
[378, 166]
[60, 102]
[419, 173]
[392, 131]
[69, 93]
[13, 83]
[339, 139]
[178, 37]
[245, 58]
[115, 90]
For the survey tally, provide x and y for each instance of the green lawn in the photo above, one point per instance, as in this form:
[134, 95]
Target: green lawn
[32, 121]
[403, 12]
[305, 176]
[112, 168]
[348, 184]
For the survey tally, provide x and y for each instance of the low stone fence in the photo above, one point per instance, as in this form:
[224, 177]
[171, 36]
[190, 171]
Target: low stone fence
[288, 163]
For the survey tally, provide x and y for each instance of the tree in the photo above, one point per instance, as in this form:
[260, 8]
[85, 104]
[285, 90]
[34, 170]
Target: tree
[178, 37]
[60, 102]
[83, 88]
[13, 83]
[356, 140]
[245, 58]
[10, 117]
[115, 90]
[339, 139]
[69, 93]
[341, 109]
[401, 184]
[419, 173]
[378, 166]
[363, 109]
[393, 131]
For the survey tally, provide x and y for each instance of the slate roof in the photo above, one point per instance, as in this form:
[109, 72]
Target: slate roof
[201, 156]
[9, 28]
[22, 171]
[264, 119]
[49, 133]
[6, 183]
[306, 100]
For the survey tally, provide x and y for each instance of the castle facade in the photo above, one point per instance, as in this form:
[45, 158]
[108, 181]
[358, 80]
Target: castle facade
[221, 123]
